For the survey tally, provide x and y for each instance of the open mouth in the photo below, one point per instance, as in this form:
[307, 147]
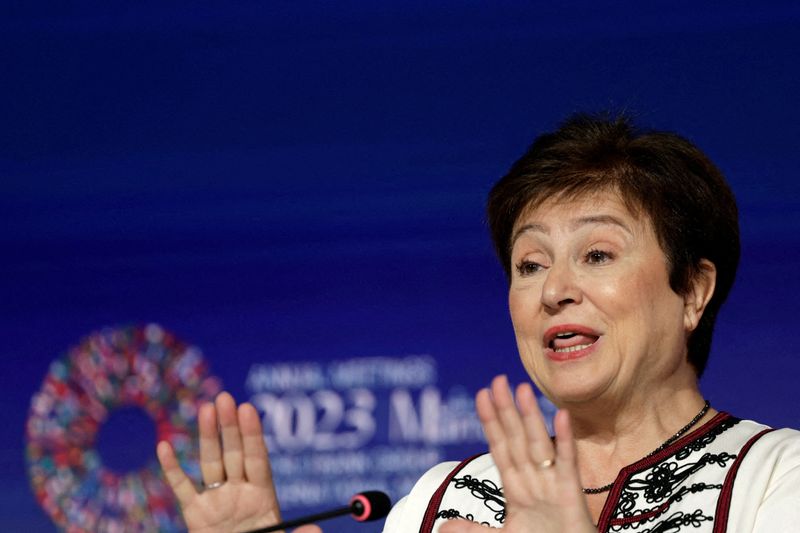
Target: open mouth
[567, 340]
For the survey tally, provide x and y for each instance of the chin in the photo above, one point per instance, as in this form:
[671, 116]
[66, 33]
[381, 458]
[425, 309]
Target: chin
[573, 397]
[575, 386]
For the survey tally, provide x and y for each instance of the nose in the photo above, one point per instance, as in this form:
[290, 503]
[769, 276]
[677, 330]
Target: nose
[560, 287]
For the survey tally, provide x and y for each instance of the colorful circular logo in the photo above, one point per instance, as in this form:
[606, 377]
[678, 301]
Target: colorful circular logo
[144, 367]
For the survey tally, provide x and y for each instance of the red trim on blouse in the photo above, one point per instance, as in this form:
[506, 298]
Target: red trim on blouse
[433, 506]
[724, 502]
[619, 484]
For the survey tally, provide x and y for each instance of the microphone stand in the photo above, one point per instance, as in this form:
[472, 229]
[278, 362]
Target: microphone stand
[364, 506]
[306, 520]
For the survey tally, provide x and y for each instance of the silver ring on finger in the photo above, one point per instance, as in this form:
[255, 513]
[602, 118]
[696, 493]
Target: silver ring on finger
[544, 465]
[215, 485]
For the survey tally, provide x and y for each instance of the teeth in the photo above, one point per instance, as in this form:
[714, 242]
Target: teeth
[565, 334]
[572, 348]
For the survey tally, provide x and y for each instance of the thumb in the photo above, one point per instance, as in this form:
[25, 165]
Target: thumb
[308, 529]
[462, 526]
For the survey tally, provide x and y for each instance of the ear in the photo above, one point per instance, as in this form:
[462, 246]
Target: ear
[699, 294]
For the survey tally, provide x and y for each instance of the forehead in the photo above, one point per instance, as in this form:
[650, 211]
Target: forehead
[604, 207]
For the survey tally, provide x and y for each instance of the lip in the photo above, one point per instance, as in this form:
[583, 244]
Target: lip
[551, 333]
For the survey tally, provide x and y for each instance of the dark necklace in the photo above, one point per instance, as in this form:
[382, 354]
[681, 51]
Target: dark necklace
[676, 436]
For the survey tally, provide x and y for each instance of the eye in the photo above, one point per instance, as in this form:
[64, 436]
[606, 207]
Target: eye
[527, 268]
[597, 257]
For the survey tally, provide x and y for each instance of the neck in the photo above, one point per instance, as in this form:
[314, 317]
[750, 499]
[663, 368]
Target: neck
[612, 434]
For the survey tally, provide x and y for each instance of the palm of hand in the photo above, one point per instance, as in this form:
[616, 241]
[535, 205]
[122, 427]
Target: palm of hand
[233, 459]
[541, 515]
[547, 511]
[235, 506]
[541, 484]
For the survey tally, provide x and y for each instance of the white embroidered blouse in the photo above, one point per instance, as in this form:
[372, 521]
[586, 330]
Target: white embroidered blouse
[729, 475]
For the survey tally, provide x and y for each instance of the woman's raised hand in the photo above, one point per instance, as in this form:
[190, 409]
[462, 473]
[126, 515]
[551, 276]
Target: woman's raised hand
[540, 481]
[239, 494]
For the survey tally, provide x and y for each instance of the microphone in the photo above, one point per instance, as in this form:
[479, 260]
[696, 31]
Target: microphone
[364, 506]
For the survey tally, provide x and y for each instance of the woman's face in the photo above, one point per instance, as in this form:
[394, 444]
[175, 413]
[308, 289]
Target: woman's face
[591, 304]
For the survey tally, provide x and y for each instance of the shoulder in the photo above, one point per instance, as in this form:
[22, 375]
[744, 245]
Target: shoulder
[774, 448]
[766, 486]
[747, 438]
[437, 494]
[764, 454]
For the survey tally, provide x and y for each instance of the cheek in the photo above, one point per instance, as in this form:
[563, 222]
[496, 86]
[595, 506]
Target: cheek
[631, 300]
[521, 307]
[616, 296]
[646, 299]
[523, 311]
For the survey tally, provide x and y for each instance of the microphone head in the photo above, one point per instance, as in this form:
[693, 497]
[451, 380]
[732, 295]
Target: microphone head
[370, 505]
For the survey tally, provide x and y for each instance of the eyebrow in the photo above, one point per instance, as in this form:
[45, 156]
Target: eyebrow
[574, 224]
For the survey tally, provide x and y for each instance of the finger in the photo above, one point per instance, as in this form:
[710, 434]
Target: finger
[517, 442]
[540, 445]
[178, 481]
[210, 450]
[312, 528]
[567, 460]
[508, 414]
[231, 438]
[493, 429]
[256, 460]
[518, 481]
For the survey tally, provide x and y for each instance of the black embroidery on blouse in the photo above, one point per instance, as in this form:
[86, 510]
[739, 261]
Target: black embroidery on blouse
[665, 483]
[626, 503]
[677, 521]
[451, 514]
[448, 514]
[486, 490]
[658, 486]
[665, 477]
[704, 440]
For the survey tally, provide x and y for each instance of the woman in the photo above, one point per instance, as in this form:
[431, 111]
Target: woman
[620, 248]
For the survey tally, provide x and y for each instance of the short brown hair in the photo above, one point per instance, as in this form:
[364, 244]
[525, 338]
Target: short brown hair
[689, 203]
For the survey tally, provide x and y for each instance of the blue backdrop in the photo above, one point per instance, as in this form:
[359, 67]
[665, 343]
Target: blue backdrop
[297, 187]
